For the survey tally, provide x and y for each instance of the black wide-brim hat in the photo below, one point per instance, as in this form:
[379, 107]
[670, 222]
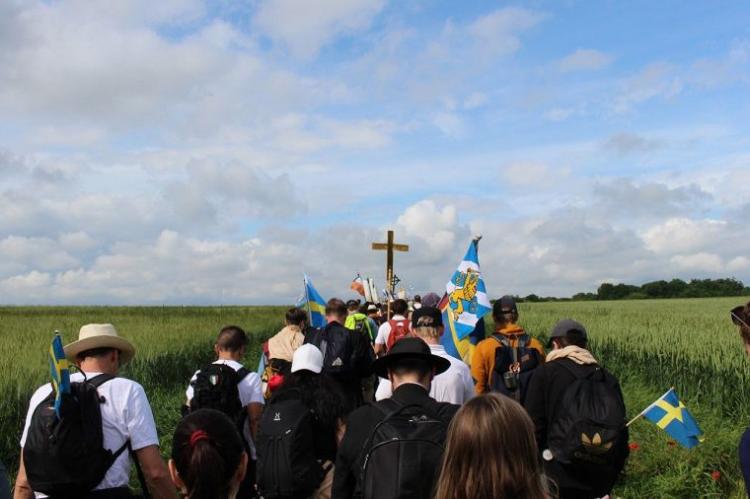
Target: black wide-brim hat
[410, 348]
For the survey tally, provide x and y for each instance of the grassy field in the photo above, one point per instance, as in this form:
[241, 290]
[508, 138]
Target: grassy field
[649, 345]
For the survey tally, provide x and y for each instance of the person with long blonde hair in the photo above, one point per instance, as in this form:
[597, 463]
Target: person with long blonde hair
[491, 453]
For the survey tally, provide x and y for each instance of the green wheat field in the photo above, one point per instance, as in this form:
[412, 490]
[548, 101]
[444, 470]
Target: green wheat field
[650, 345]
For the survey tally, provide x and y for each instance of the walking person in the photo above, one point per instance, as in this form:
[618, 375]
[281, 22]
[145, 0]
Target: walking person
[393, 448]
[454, 385]
[395, 328]
[347, 357]
[491, 447]
[227, 386]
[280, 349]
[741, 318]
[208, 457]
[579, 416]
[307, 411]
[126, 429]
[505, 361]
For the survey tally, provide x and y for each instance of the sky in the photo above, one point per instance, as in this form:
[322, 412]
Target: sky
[190, 152]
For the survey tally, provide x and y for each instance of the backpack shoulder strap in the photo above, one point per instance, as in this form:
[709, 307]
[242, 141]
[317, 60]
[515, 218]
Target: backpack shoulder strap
[524, 340]
[242, 373]
[501, 339]
[100, 379]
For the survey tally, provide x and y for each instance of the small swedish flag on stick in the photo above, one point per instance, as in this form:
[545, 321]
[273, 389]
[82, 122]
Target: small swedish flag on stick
[59, 371]
[671, 415]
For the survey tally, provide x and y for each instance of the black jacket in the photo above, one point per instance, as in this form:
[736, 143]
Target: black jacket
[359, 363]
[360, 424]
[545, 393]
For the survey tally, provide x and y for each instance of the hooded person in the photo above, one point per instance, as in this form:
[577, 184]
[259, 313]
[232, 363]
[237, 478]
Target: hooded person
[128, 427]
[559, 402]
[740, 316]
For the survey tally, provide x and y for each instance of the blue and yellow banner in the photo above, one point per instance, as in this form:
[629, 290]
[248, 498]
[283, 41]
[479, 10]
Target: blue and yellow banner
[671, 415]
[465, 302]
[59, 371]
[316, 305]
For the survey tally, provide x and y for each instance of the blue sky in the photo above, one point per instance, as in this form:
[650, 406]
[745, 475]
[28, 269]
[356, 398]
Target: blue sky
[212, 152]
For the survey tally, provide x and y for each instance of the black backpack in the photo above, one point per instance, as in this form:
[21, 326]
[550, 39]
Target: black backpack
[65, 457]
[337, 346]
[215, 387]
[287, 466]
[588, 429]
[514, 384]
[403, 453]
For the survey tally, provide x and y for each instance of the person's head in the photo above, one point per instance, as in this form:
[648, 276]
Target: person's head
[307, 358]
[741, 318]
[372, 310]
[567, 333]
[208, 456]
[231, 343]
[410, 361]
[99, 349]
[491, 446]
[296, 317]
[430, 300]
[352, 306]
[336, 310]
[399, 307]
[427, 323]
[417, 299]
[504, 311]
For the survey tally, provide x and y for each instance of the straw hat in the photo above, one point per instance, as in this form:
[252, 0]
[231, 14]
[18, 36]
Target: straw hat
[100, 336]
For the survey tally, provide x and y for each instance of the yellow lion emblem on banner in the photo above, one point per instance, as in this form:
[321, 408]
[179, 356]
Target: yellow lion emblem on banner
[465, 294]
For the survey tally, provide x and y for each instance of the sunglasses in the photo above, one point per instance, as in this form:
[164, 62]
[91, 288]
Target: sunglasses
[737, 315]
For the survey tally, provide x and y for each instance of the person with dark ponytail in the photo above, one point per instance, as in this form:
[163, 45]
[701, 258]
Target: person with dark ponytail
[208, 458]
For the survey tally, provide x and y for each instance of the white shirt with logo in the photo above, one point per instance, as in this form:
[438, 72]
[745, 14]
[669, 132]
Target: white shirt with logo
[126, 414]
[250, 389]
[454, 385]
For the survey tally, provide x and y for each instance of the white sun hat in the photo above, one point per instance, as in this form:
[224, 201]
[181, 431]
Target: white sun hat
[307, 357]
[100, 336]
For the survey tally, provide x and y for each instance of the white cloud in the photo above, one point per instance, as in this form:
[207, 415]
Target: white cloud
[450, 124]
[304, 27]
[498, 32]
[683, 235]
[699, 262]
[583, 60]
[655, 80]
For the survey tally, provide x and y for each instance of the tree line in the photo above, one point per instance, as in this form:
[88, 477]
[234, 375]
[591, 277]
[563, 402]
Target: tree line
[676, 288]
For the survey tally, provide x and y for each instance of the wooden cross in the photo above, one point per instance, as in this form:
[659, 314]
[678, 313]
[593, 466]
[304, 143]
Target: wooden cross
[390, 246]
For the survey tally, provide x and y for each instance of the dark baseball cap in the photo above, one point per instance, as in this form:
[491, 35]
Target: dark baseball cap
[426, 316]
[352, 303]
[563, 327]
[505, 305]
[430, 300]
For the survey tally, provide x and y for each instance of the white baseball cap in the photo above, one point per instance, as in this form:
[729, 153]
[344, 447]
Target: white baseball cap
[307, 357]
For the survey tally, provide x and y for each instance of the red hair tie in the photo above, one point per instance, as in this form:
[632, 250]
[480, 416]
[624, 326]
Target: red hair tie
[196, 436]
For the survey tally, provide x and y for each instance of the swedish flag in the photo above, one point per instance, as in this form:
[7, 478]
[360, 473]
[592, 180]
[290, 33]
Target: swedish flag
[59, 371]
[316, 305]
[669, 414]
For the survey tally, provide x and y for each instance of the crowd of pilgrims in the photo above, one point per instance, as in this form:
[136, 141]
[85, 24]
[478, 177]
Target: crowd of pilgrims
[369, 406]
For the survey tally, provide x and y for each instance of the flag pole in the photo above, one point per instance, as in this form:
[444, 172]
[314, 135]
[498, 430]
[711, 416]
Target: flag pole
[307, 300]
[640, 415]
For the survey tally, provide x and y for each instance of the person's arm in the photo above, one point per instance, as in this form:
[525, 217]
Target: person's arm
[344, 481]
[254, 412]
[381, 339]
[22, 490]
[479, 370]
[537, 345]
[536, 405]
[156, 473]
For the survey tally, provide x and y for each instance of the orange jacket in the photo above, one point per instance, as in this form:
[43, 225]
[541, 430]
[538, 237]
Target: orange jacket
[483, 360]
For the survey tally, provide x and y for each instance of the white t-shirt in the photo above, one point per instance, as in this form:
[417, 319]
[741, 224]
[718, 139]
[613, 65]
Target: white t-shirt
[250, 388]
[384, 331]
[454, 385]
[126, 414]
